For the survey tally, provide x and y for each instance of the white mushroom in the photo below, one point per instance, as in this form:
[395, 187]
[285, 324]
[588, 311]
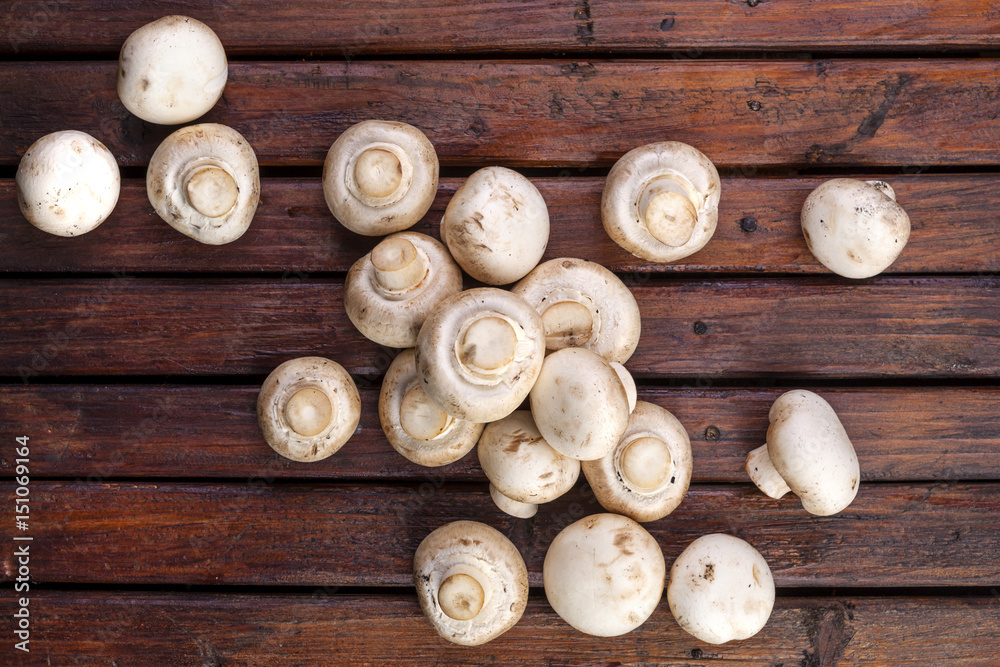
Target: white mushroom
[808, 453]
[380, 177]
[496, 226]
[647, 474]
[204, 182]
[579, 404]
[720, 589]
[524, 471]
[661, 201]
[67, 183]
[415, 427]
[308, 408]
[471, 582]
[390, 291]
[479, 353]
[604, 575]
[582, 304]
[855, 228]
[172, 70]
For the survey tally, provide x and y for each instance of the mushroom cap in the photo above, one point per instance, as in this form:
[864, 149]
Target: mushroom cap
[308, 408]
[390, 309]
[521, 465]
[67, 183]
[172, 70]
[496, 226]
[647, 474]
[667, 188]
[854, 228]
[204, 182]
[437, 438]
[579, 404]
[380, 177]
[479, 352]
[604, 575]
[720, 589]
[461, 550]
[582, 304]
[810, 449]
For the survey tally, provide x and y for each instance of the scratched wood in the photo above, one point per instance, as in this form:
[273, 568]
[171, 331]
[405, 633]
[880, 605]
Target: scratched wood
[357, 29]
[954, 218]
[556, 113]
[88, 432]
[260, 533]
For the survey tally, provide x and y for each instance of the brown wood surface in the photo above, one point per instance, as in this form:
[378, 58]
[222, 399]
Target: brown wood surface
[954, 218]
[354, 28]
[926, 327]
[552, 113]
[336, 534]
[211, 629]
[87, 432]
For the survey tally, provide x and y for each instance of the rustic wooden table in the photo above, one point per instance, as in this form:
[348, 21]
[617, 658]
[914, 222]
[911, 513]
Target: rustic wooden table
[164, 529]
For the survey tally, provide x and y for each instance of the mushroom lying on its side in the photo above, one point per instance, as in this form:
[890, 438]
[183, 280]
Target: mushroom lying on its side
[808, 453]
[67, 183]
[471, 582]
[204, 182]
[308, 408]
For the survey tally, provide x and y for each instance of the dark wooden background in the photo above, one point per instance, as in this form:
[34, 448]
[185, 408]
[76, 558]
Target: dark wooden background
[167, 532]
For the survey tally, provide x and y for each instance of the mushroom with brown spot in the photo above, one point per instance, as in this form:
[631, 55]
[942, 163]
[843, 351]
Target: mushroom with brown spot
[308, 408]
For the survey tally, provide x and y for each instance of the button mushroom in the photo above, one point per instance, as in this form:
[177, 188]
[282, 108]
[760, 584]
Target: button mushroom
[524, 471]
[808, 453]
[496, 226]
[647, 474]
[172, 70]
[380, 177]
[579, 404]
[720, 589]
[390, 291]
[204, 182]
[661, 201]
[855, 228]
[67, 183]
[479, 353]
[416, 427]
[471, 582]
[308, 408]
[582, 304]
[604, 575]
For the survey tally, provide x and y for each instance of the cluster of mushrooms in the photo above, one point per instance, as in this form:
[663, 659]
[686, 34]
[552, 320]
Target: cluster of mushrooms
[558, 339]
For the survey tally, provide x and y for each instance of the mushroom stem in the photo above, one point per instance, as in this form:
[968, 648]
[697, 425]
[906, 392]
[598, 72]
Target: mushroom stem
[420, 418]
[378, 173]
[212, 191]
[461, 597]
[666, 209]
[762, 472]
[308, 412]
[489, 344]
[567, 324]
[511, 506]
[646, 463]
[628, 383]
[398, 266]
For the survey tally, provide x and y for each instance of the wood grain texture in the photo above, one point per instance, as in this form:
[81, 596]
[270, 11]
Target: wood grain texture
[198, 629]
[954, 222]
[926, 327]
[335, 534]
[357, 29]
[555, 113]
[91, 433]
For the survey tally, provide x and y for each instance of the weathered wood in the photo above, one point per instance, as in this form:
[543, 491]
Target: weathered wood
[354, 29]
[95, 432]
[928, 327]
[829, 112]
[261, 533]
[955, 223]
[196, 628]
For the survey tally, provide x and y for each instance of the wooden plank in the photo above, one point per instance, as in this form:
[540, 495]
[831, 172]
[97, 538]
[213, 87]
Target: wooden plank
[556, 113]
[355, 29]
[259, 533]
[954, 218]
[83, 627]
[96, 432]
[927, 327]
